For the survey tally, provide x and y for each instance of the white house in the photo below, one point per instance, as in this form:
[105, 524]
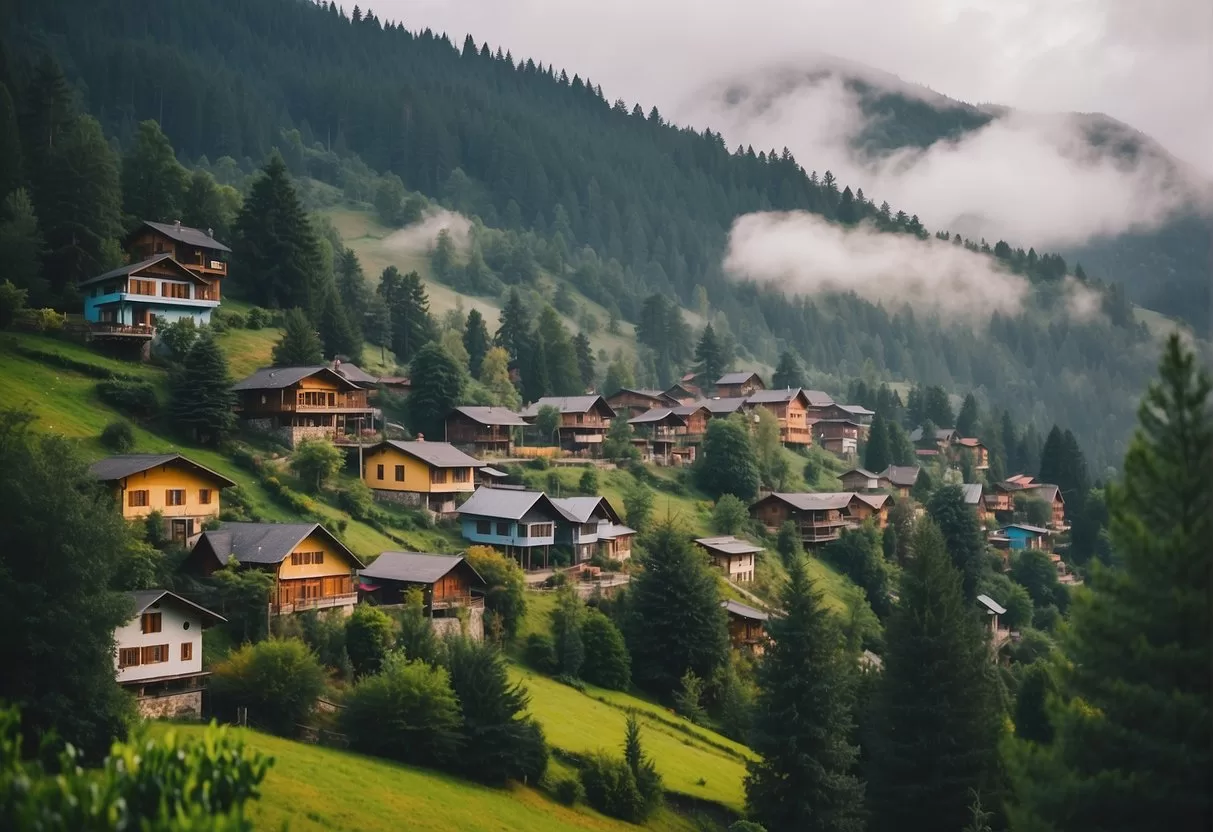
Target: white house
[159, 653]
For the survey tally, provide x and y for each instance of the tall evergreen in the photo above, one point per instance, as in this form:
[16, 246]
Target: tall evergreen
[300, 344]
[709, 356]
[476, 341]
[728, 463]
[674, 619]
[789, 374]
[1132, 744]
[514, 326]
[804, 778]
[957, 522]
[352, 287]
[10, 144]
[937, 407]
[21, 247]
[533, 367]
[966, 421]
[337, 335]
[1052, 457]
[564, 376]
[585, 360]
[202, 397]
[936, 718]
[877, 456]
[437, 387]
[412, 324]
[153, 181]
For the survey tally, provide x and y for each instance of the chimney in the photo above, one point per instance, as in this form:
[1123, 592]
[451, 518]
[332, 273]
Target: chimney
[421, 437]
[210, 232]
[336, 365]
[177, 224]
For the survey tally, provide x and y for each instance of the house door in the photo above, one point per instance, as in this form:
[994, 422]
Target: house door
[181, 530]
[141, 317]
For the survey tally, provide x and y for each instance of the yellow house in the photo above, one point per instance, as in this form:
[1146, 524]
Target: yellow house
[184, 492]
[314, 570]
[428, 474]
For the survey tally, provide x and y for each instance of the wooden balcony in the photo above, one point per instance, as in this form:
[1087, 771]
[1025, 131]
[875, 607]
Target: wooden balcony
[324, 602]
[113, 330]
[451, 602]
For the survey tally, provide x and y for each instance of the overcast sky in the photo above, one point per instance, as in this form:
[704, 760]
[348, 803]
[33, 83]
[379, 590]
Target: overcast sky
[1146, 62]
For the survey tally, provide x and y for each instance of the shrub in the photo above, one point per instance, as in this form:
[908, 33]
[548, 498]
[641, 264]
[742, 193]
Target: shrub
[607, 663]
[234, 320]
[12, 302]
[406, 712]
[730, 514]
[588, 484]
[610, 787]
[569, 791]
[134, 398]
[539, 463]
[688, 700]
[246, 459]
[368, 637]
[256, 318]
[42, 320]
[357, 500]
[552, 484]
[540, 653]
[505, 590]
[316, 461]
[118, 436]
[277, 680]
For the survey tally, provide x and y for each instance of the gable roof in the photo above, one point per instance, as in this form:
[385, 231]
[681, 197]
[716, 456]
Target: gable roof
[185, 234]
[1025, 527]
[264, 543]
[657, 415]
[818, 399]
[569, 404]
[725, 406]
[776, 396]
[434, 454]
[728, 545]
[1047, 491]
[971, 492]
[876, 501]
[489, 415]
[863, 472]
[743, 610]
[738, 378]
[940, 433]
[646, 392]
[614, 530]
[804, 501]
[355, 373]
[687, 389]
[991, 605]
[134, 268]
[686, 410]
[581, 509]
[970, 442]
[857, 409]
[414, 567]
[144, 598]
[279, 378]
[507, 504]
[902, 475]
[124, 465]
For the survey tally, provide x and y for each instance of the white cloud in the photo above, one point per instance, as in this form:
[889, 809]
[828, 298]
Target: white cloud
[419, 237]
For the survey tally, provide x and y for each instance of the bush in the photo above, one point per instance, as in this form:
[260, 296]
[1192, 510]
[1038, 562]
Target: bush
[237, 505]
[505, 590]
[569, 791]
[607, 663]
[233, 320]
[316, 461]
[12, 302]
[540, 653]
[730, 515]
[277, 680]
[610, 787]
[118, 437]
[41, 320]
[368, 637]
[256, 318]
[539, 463]
[357, 500]
[134, 398]
[406, 712]
[588, 484]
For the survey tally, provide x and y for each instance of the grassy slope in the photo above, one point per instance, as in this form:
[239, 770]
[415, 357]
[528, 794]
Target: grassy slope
[314, 788]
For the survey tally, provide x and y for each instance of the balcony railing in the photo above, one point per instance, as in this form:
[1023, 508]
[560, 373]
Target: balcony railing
[137, 330]
[324, 602]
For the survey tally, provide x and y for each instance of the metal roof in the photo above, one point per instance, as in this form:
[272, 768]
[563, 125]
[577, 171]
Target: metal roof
[992, 605]
[491, 415]
[655, 415]
[940, 433]
[186, 234]
[744, 610]
[493, 472]
[776, 396]
[507, 504]
[264, 543]
[144, 598]
[728, 545]
[124, 465]
[581, 509]
[436, 454]
[815, 502]
[738, 378]
[354, 373]
[413, 567]
[278, 378]
[1048, 492]
[729, 404]
[568, 404]
[971, 492]
[614, 530]
[857, 409]
[902, 475]
[864, 472]
[817, 398]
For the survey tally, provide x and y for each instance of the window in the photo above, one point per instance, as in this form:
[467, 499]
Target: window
[437, 476]
[187, 651]
[204, 496]
[463, 474]
[503, 529]
[175, 290]
[128, 657]
[541, 530]
[306, 558]
[378, 472]
[155, 654]
[143, 287]
[484, 527]
[174, 497]
[137, 499]
[399, 473]
[316, 398]
[150, 623]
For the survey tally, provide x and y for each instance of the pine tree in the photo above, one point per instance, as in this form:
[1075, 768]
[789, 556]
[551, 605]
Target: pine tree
[1073, 479]
[566, 631]
[788, 374]
[729, 464]
[901, 449]
[514, 329]
[1010, 444]
[299, 345]
[966, 422]
[585, 360]
[337, 335]
[802, 722]
[1132, 745]
[351, 283]
[877, 456]
[618, 376]
[437, 386]
[564, 376]
[957, 522]
[533, 368]
[936, 720]
[209, 205]
[674, 619]
[153, 181]
[1052, 458]
[10, 144]
[412, 325]
[937, 407]
[442, 261]
[21, 247]
[202, 397]
[378, 324]
[476, 341]
[709, 356]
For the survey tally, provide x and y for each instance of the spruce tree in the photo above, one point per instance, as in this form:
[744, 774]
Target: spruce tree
[788, 374]
[412, 325]
[10, 144]
[437, 387]
[957, 522]
[299, 345]
[514, 327]
[351, 283]
[153, 181]
[936, 718]
[966, 421]
[21, 247]
[337, 335]
[901, 449]
[877, 456]
[709, 356]
[728, 463]
[585, 360]
[533, 367]
[476, 341]
[1132, 745]
[202, 397]
[674, 619]
[564, 376]
[1052, 460]
[802, 727]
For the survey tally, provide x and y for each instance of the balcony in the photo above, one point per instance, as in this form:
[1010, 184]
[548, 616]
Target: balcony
[324, 602]
[113, 330]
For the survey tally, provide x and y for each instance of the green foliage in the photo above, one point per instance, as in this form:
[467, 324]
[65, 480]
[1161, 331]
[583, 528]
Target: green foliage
[61, 548]
[858, 555]
[588, 483]
[877, 455]
[505, 590]
[568, 791]
[773, 467]
[316, 461]
[12, 301]
[437, 386]
[966, 421]
[648, 781]
[688, 699]
[1033, 570]
[416, 637]
[607, 663]
[368, 638]
[802, 722]
[324, 634]
[540, 653]
[409, 310]
[730, 515]
[711, 362]
[728, 464]
[1031, 713]
[787, 543]
[300, 344]
[638, 505]
[629, 788]
[674, 620]
[547, 420]
[566, 631]
[135, 398]
[241, 596]
[201, 397]
[1033, 510]
[476, 341]
[962, 536]
[153, 181]
[789, 374]
[119, 437]
[21, 247]
[278, 680]
[495, 376]
[618, 442]
[1013, 597]
[407, 712]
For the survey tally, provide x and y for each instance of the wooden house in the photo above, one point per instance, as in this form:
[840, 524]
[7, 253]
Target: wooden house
[685, 391]
[819, 518]
[520, 523]
[999, 635]
[999, 497]
[629, 402]
[132, 300]
[193, 248]
[313, 570]
[838, 436]
[584, 421]
[158, 654]
[733, 557]
[297, 403]
[582, 521]
[821, 405]
[658, 432]
[747, 626]
[448, 583]
[980, 454]
[1050, 494]
[722, 408]
[861, 479]
[790, 407]
[944, 437]
[902, 478]
[874, 507]
[185, 493]
[483, 430]
[974, 495]
[739, 385]
[425, 474]
[615, 541]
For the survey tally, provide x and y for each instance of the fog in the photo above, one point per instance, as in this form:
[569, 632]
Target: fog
[419, 237]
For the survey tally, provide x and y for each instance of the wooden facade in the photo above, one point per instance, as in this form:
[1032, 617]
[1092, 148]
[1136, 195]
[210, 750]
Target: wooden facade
[790, 408]
[628, 402]
[483, 430]
[584, 421]
[205, 260]
[314, 402]
[739, 385]
[433, 471]
[186, 494]
[818, 520]
[839, 436]
[747, 627]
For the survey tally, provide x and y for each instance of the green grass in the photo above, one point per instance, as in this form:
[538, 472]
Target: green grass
[314, 788]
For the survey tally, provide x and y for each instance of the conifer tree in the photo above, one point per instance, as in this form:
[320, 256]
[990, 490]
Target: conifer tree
[805, 777]
[1052, 462]
[957, 522]
[412, 325]
[877, 456]
[514, 327]
[476, 341]
[299, 345]
[437, 386]
[1132, 745]
[729, 464]
[337, 334]
[533, 368]
[709, 356]
[10, 143]
[153, 181]
[674, 619]
[209, 205]
[789, 374]
[564, 376]
[936, 720]
[901, 449]
[495, 376]
[21, 247]
[202, 397]
[966, 421]
[585, 360]
[351, 283]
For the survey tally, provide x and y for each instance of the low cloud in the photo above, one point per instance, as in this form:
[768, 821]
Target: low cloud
[419, 238]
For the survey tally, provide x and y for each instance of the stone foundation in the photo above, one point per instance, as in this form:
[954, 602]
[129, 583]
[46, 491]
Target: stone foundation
[411, 499]
[475, 625]
[186, 705]
[293, 435]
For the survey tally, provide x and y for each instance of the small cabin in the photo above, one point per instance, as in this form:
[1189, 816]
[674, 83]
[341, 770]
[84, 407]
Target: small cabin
[483, 430]
[733, 557]
[521, 524]
[790, 408]
[448, 584]
[1021, 536]
[311, 402]
[739, 385]
[424, 474]
[902, 478]
[584, 421]
[628, 402]
[583, 518]
[861, 479]
[838, 436]
[819, 518]
[747, 626]
[185, 493]
[874, 507]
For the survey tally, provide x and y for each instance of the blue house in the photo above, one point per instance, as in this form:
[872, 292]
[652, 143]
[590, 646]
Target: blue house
[1020, 536]
[585, 519]
[520, 523]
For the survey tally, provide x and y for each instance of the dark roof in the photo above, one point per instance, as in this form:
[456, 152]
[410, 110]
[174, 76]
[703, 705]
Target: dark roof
[569, 404]
[818, 399]
[264, 543]
[729, 545]
[507, 504]
[186, 234]
[490, 415]
[688, 409]
[876, 501]
[279, 378]
[940, 433]
[413, 567]
[902, 475]
[729, 404]
[804, 501]
[657, 415]
[124, 465]
[857, 409]
[971, 492]
[743, 610]
[777, 396]
[131, 268]
[864, 472]
[1047, 491]
[648, 392]
[356, 374]
[738, 378]
[144, 598]
[436, 454]
[581, 509]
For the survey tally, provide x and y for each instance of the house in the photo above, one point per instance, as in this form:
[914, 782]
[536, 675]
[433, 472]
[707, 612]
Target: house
[747, 626]
[424, 474]
[944, 437]
[820, 405]
[584, 421]
[312, 569]
[158, 654]
[861, 479]
[999, 635]
[819, 518]
[192, 248]
[790, 407]
[1020, 536]
[582, 519]
[132, 300]
[870, 506]
[297, 403]
[684, 392]
[520, 523]
[448, 584]
[616, 541]
[1000, 497]
[901, 477]
[353, 373]
[185, 493]
[1050, 494]
[838, 436]
[851, 412]
[733, 557]
[974, 495]
[739, 385]
[658, 432]
[629, 402]
[483, 430]
[980, 453]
